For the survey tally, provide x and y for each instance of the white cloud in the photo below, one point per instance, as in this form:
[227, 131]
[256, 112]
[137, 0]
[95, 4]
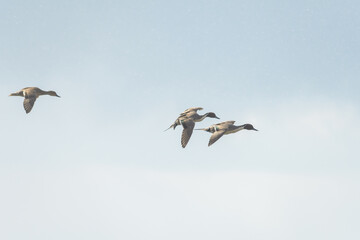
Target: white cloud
[106, 202]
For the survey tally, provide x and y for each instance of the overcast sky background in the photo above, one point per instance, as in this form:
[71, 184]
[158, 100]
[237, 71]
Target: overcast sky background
[96, 164]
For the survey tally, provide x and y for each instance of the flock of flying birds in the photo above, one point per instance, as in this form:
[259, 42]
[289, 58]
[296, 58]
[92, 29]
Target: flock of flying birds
[190, 116]
[187, 119]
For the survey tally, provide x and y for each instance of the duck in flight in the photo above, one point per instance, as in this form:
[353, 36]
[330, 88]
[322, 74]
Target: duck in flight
[31, 94]
[188, 119]
[224, 128]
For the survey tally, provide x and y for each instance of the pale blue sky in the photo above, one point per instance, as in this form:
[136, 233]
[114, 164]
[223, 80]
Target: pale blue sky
[96, 163]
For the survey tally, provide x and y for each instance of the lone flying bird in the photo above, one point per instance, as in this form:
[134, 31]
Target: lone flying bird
[188, 119]
[31, 94]
[228, 127]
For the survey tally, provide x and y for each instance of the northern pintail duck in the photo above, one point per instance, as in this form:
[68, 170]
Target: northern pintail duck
[188, 119]
[31, 94]
[228, 127]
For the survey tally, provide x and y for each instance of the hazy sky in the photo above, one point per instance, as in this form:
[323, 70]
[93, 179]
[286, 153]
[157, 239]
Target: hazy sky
[96, 163]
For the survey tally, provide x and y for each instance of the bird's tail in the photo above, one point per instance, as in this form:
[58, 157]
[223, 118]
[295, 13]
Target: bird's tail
[16, 94]
[172, 126]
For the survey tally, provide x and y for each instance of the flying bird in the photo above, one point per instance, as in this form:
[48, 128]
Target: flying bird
[31, 94]
[224, 128]
[188, 119]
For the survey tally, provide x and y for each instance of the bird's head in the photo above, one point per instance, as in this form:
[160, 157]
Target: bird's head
[53, 93]
[212, 115]
[249, 127]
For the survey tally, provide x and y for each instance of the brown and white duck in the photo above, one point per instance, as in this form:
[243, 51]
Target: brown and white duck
[31, 94]
[188, 119]
[224, 128]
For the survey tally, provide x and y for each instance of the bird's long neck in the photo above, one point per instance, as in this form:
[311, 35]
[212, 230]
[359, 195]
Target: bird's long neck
[201, 117]
[234, 129]
[42, 92]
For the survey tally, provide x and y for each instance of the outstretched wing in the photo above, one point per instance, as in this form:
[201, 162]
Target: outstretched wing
[225, 124]
[187, 132]
[29, 103]
[215, 136]
[193, 109]
[190, 111]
